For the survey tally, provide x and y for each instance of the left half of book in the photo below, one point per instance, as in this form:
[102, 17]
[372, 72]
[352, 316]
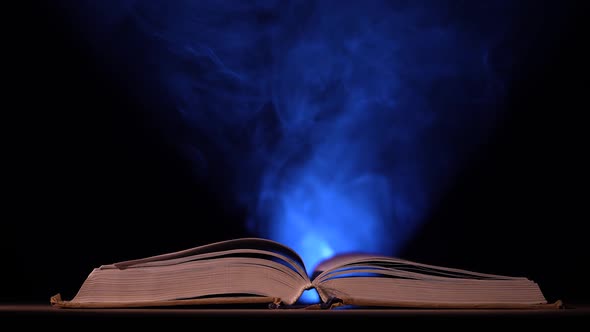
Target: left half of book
[239, 271]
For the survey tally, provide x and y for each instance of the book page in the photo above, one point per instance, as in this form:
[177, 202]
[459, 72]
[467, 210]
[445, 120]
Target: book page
[242, 253]
[380, 264]
[222, 246]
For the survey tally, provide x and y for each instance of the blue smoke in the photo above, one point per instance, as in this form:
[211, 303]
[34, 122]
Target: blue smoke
[337, 123]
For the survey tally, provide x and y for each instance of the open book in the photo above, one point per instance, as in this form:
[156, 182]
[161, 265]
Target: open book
[253, 270]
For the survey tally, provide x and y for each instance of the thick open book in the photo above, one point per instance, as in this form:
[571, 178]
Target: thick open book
[252, 270]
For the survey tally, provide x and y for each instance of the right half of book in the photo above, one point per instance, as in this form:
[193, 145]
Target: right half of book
[375, 281]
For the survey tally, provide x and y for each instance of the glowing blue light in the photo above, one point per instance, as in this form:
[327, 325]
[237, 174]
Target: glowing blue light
[336, 124]
[309, 296]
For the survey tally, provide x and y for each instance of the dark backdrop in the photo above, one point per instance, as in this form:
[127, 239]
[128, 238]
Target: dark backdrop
[88, 180]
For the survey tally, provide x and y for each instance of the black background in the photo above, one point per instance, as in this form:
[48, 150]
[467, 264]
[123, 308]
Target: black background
[89, 180]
